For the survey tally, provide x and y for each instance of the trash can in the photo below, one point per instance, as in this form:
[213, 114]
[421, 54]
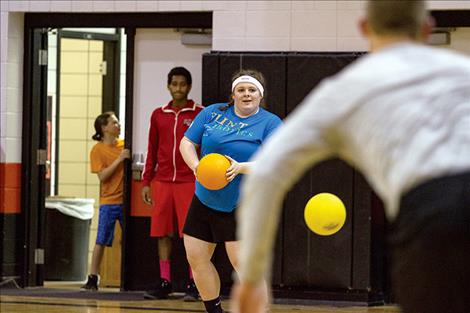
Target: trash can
[67, 238]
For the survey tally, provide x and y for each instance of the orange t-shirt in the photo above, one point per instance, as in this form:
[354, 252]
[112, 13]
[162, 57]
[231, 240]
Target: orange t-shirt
[101, 156]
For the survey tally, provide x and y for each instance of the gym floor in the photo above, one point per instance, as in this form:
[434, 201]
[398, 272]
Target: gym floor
[11, 303]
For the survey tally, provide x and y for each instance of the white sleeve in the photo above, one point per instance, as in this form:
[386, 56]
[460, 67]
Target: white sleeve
[291, 150]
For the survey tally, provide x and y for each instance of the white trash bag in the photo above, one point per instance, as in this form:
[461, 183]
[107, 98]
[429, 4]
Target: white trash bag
[80, 208]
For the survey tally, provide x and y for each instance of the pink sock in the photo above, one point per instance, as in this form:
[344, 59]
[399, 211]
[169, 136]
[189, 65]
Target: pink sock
[190, 273]
[165, 269]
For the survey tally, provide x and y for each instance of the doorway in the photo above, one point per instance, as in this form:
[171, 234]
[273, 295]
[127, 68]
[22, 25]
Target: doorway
[83, 81]
[35, 150]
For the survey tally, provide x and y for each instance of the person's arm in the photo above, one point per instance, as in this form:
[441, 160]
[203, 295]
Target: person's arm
[107, 172]
[249, 298]
[190, 143]
[280, 162]
[188, 151]
[237, 168]
[150, 160]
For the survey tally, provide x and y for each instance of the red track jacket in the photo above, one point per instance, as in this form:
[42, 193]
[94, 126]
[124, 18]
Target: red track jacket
[167, 127]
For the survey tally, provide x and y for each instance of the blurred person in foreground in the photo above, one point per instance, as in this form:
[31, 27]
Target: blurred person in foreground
[401, 116]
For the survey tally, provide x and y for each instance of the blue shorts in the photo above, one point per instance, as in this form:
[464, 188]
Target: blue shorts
[109, 213]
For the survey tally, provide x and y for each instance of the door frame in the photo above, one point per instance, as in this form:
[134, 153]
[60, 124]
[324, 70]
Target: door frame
[34, 138]
[33, 178]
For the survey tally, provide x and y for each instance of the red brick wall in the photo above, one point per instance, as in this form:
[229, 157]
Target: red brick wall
[10, 188]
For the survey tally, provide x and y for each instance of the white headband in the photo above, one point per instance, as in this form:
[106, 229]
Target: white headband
[248, 79]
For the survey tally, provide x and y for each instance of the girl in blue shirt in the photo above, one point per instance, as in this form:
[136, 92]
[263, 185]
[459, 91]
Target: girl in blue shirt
[236, 130]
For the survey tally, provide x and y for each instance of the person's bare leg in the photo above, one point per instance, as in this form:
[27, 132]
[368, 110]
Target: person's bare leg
[199, 254]
[164, 248]
[232, 248]
[93, 279]
[96, 258]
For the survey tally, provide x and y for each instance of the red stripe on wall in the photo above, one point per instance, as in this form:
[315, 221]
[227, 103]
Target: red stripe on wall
[10, 188]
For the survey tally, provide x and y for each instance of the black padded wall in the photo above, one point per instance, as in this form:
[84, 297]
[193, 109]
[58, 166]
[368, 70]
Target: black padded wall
[210, 79]
[12, 246]
[349, 264]
[306, 70]
[316, 260]
[309, 259]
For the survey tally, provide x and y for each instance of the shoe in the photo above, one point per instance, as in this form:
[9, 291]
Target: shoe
[161, 292]
[191, 294]
[91, 283]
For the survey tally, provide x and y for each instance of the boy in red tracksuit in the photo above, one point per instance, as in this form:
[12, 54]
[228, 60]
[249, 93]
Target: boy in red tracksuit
[168, 183]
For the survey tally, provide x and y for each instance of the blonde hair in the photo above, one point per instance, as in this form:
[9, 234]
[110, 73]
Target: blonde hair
[396, 17]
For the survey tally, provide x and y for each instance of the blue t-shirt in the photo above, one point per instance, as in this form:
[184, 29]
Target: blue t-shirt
[222, 131]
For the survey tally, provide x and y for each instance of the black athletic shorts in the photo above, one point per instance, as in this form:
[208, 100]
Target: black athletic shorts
[209, 225]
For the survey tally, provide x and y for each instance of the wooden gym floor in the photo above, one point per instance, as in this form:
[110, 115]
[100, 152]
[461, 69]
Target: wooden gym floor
[27, 304]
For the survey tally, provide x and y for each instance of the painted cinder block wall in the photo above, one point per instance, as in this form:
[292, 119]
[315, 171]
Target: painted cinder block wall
[324, 25]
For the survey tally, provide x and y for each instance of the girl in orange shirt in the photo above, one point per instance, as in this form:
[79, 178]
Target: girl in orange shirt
[107, 158]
